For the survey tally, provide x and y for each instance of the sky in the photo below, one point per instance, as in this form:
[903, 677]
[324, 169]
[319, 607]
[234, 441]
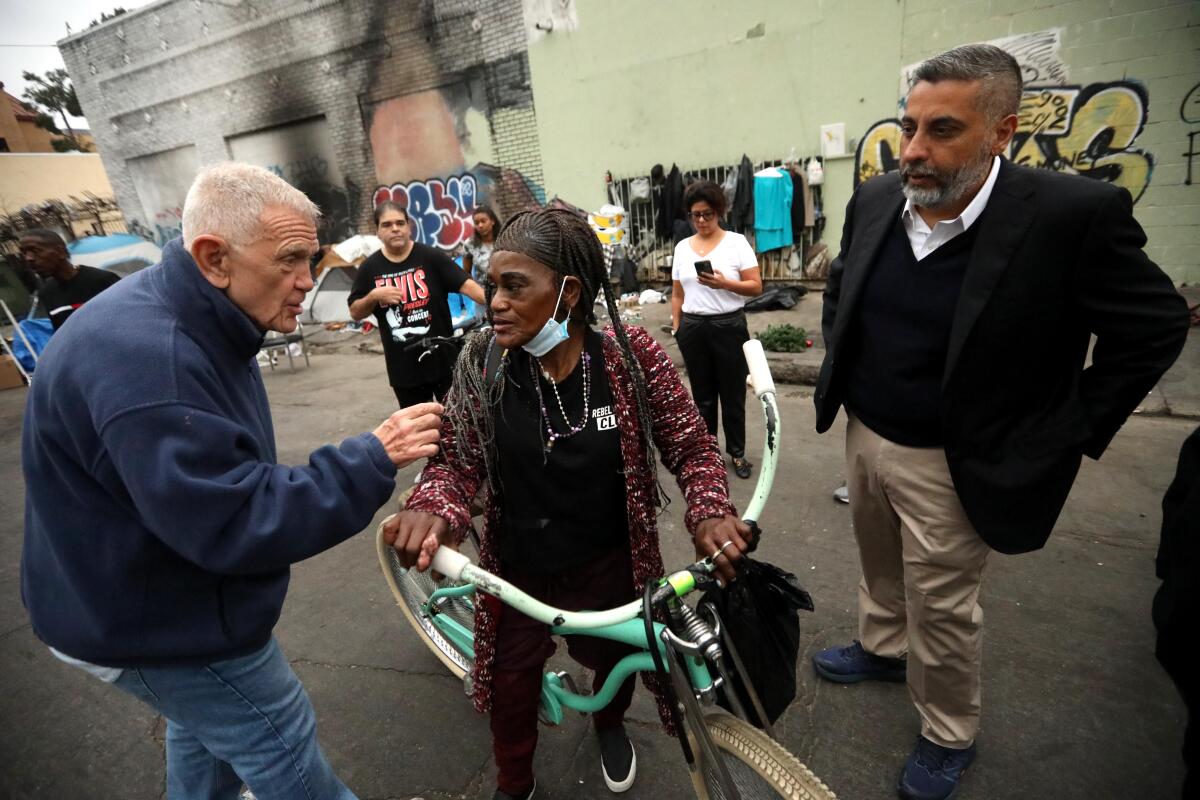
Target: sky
[31, 27]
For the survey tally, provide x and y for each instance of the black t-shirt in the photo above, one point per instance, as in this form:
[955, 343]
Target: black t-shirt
[565, 505]
[60, 299]
[426, 277]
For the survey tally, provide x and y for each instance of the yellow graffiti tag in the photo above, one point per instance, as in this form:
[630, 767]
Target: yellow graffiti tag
[1046, 111]
[1102, 131]
[878, 151]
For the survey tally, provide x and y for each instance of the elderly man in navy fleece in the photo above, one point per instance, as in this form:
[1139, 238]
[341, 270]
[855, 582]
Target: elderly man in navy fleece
[159, 528]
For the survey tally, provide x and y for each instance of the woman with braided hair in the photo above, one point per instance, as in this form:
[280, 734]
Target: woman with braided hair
[561, 424]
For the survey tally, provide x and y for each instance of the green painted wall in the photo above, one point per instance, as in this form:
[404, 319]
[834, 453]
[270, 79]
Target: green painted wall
[700, 83]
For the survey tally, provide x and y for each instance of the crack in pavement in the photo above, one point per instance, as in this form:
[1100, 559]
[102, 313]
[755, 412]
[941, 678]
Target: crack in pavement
[374, 668]
[14, 630]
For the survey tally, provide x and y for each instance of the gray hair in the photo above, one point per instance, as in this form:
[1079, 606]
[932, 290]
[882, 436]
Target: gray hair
[997, 71]
[228, 200]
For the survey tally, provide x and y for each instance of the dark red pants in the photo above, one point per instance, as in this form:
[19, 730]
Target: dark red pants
[523, 645]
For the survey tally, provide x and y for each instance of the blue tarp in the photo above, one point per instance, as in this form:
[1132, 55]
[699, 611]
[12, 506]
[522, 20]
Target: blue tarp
[38, 331]
[99, 244]
[462, 309]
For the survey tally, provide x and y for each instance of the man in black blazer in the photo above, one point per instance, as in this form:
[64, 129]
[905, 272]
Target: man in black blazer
[957, 319]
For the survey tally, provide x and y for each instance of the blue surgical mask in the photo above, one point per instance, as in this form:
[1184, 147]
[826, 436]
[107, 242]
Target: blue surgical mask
[552, 334]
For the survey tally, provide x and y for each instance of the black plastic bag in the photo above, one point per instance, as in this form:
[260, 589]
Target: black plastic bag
[760, 611]
[777, 299]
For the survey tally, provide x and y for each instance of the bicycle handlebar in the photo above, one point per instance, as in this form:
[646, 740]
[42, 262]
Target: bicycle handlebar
[760, 373]
[458, 567]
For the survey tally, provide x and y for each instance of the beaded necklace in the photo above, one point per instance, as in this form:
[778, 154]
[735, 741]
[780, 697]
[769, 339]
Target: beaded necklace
[552, 435]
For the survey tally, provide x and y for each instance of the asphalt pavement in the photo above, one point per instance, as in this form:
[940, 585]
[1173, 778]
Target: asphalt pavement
[1075, 705]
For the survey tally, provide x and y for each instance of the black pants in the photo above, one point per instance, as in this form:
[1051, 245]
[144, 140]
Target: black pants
[712, 352]
[422, 393]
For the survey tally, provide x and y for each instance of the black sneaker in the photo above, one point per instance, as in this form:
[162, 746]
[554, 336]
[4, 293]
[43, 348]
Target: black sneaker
[742, 467]
[525, 795]
[618, 761]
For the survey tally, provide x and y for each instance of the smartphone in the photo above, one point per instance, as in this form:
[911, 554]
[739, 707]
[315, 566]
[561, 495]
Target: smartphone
[704, 267]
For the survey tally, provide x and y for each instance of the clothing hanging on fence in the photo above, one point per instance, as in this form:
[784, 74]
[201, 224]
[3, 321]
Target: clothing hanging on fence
[772, 209]
[729, 187]
[802, 203]
[741, 213]
[670, 204]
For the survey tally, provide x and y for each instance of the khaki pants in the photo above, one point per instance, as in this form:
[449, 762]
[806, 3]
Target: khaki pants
[922, 564]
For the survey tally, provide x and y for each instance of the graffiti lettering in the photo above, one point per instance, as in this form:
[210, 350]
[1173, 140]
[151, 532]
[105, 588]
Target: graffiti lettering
[1189, 109]
[1191, 153]
[1087, 131]
[168, 225]
[439, 210]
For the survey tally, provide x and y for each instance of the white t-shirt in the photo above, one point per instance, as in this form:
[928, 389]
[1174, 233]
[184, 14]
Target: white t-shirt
[730, 257]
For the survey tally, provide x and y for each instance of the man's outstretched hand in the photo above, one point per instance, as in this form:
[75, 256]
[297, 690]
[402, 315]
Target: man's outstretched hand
[411, 433]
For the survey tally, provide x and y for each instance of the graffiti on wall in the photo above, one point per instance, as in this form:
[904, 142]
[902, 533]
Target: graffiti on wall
[168, 225]
[1083, 130]
[439, 209]
[1189, 112]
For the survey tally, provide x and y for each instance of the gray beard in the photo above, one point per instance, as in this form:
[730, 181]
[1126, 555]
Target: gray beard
[953, 186]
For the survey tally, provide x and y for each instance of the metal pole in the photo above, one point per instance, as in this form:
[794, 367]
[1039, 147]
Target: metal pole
[12, 320]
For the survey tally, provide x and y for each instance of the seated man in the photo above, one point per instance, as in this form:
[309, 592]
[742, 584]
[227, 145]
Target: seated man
[159, 528]
[65, 287]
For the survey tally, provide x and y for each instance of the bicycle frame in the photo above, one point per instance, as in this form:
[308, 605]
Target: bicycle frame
[622, 624]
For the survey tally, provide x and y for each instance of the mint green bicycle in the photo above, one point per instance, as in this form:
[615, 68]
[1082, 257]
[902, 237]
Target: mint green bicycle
[727, 757]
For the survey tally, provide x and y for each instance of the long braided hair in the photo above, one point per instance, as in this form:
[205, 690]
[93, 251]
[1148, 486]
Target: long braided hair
[562, 241]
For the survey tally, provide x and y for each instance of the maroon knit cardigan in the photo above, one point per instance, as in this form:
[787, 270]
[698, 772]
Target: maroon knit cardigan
[687, 449]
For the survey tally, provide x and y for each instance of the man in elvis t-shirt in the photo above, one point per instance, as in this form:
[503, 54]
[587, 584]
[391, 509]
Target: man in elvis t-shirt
[405, 286]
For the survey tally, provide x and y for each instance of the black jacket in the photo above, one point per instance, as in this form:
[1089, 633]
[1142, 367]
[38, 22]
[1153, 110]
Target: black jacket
[1057, 258]
[670, 204]
[741, 216]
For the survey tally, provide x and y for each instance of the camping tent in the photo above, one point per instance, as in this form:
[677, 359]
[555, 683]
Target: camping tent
[327, 301]
[121, 253]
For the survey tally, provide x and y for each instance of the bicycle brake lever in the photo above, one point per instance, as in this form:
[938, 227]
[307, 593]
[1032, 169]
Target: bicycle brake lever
[704, 578]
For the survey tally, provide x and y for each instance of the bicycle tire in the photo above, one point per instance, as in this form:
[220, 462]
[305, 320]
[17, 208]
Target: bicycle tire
[760, 767]
[412, 590]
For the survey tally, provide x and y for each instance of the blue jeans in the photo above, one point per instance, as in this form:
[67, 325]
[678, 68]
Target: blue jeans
[246, 720]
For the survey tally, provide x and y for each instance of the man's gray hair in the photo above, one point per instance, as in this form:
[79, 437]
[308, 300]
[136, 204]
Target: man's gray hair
[997, 71]
[228, 200]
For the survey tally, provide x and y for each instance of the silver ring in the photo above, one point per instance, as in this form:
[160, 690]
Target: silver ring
[727, 544]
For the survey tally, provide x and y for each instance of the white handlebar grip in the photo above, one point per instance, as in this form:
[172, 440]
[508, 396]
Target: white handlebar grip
[760, 373]
[449, 562]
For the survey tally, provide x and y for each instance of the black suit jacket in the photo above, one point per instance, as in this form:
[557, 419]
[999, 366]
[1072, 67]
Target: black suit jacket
[1056, 258]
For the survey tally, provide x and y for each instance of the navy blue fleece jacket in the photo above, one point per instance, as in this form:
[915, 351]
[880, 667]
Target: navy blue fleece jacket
[158, 526]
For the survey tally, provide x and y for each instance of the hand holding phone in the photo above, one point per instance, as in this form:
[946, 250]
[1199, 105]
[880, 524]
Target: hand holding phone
[704, 267]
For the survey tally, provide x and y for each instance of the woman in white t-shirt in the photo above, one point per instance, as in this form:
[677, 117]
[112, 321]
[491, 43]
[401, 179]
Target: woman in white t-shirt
[713, 274]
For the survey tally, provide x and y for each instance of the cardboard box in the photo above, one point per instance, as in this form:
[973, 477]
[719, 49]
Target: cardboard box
[10, 376]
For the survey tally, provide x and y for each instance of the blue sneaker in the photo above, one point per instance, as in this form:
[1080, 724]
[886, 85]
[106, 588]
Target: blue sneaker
[932, 772]
[851, 664]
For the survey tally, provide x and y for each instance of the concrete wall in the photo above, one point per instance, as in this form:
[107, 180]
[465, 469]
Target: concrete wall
[701, 83]
[357, 100]
[32, 178]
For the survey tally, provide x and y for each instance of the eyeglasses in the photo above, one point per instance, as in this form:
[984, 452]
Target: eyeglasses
[702, 216]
